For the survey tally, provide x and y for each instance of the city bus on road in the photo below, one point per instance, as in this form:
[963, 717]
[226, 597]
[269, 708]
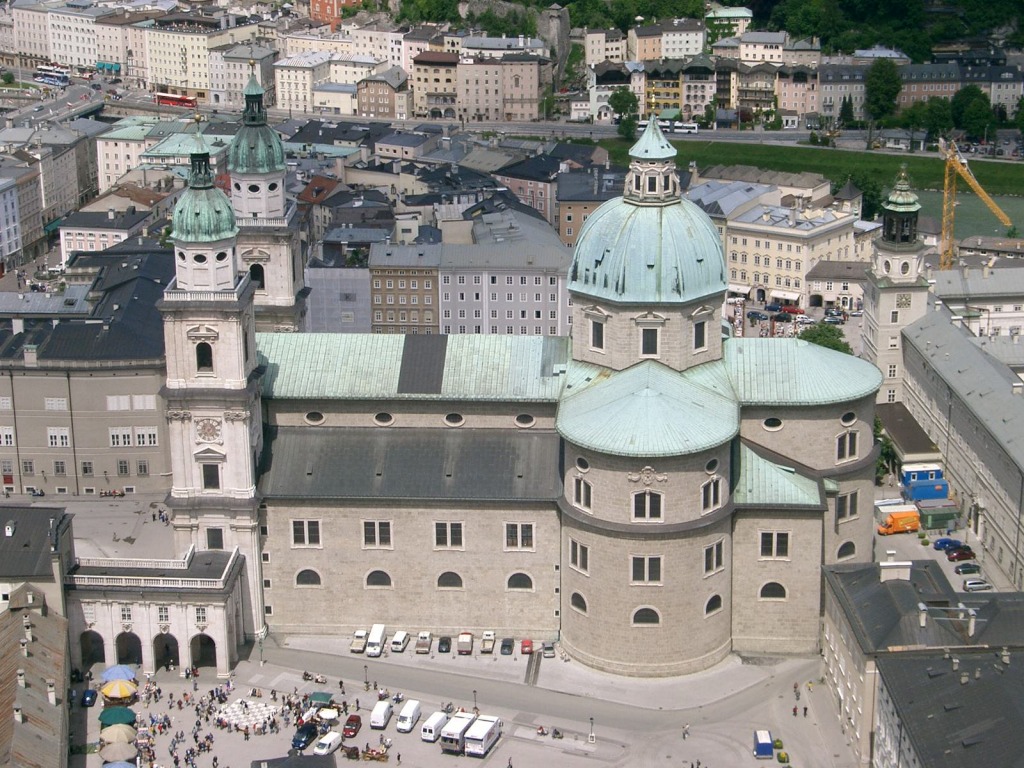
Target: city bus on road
[51, 74]
[171, 100]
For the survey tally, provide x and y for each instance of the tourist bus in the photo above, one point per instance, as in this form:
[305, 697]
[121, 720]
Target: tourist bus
[50, 74]
[171, 100]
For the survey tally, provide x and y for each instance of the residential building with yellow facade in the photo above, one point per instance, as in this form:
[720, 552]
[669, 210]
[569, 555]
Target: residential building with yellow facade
[435, 84]
[115, 48]
[304, 41]
[296, 76]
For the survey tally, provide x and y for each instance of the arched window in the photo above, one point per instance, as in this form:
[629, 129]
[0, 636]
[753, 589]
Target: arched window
[307, 578]
[449, 580]
[257, 276]
[713, 605]
[646, 616]
[578, 602]
[520, 581]
[773, 591]
[204, 357]
[847, 549]
[378, 579]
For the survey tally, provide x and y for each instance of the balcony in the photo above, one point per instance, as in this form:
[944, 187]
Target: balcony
[134, 574]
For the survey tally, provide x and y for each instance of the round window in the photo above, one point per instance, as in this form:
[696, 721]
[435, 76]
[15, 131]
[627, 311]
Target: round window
[524, 420]
[582, 464]
[454, 419]
[199, 258]
[272, 186]
[772, 424]
[848, 418]
[254, 187]
[904, 267]
[887, 266]
[222, 256]
[315, 417]
[383, 418]
[711, 467]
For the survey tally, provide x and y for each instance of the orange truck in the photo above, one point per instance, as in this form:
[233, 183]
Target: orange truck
[902, 519]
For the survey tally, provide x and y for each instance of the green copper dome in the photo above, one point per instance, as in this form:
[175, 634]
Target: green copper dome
[203, 213]
[902, 198]
[649, 246]
[256, 147]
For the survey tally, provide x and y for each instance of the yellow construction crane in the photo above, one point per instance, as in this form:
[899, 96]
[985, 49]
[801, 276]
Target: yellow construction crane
[956, 165]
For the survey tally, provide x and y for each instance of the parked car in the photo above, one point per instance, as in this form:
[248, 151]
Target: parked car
[756, 315]
[833, 312]
[960, 554]
[793, 309]
[805, 320]
[444, 645]
[328, 743]
[857, 313]
[947, 543]
[305, 736]
[965, 569]
[976, 585]
[88, 697]
[358, 644]
[834, 320]
[96, 87]
[548, 650]
[784, 317]
[115, 81]
[773, 307]
[352, 726]
[526, 647]
[507, 646]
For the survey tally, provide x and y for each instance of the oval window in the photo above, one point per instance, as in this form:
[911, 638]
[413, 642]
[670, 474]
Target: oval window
[772, 424]
[181, 255]
[222, 256]
[524, 420]
[238, 186]
[454, 419]
[254, 187]
[904, 267]
[315, 417]
[848, 418]
[711, 467]
[582, 464]
[273, 186]
[383, 418]
[199, 258]
[887, 266]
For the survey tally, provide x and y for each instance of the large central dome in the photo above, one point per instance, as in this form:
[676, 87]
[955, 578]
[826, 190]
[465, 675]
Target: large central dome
[649, 246]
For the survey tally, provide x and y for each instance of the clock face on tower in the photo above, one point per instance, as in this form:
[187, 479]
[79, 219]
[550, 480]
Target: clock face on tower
[903, 300]
[208, 430]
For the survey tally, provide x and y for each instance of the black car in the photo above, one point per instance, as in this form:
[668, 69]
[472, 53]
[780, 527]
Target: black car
[756, 315]
[507, 646]
[305, 736]
[784, 317]
[967, 568]
[444, 645]
[115, 81]
[96, 87]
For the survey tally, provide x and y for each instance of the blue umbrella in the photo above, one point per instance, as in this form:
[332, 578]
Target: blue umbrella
[119, 764]
[118, 672]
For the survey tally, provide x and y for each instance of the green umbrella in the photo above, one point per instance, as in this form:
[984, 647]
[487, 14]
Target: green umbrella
[115, 715]
[321, 697]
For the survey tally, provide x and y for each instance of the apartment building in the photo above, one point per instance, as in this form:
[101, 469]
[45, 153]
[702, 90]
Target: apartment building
[579, 193]
[425, 37]
[404, 288]
[524, 78]
[836, 82]
[329, 11]
[73, 34]
[604, 45]
[296, 76]
[796, 89]
[480, 89]
[681, 38]
[350, 69]
[643, 43]
[136, 54]
[922, 81]
[115, 48]
[231, 66]
[1004, 85]
[435, 84]
[498, 47]
[10, 224]
[32, 33]
[990, 299]
[304, 41]
[96, 231]
[380, 41]
[385, 95]
[179, 50]
[533, 181]
[725, 22]
[120, 149]
[25, 172]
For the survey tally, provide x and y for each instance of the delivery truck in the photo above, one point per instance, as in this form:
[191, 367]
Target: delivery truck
[763, 749]
[481, 735]
[903, 519]
[453, 735]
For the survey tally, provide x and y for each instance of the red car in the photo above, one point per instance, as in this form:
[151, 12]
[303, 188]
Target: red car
[960, 554]
[526, 648]
[792, 309]
[352, 726]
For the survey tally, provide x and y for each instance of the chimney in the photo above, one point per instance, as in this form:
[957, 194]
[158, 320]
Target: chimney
[986, 271]
[30, 597]
[51, 692]
[31, 356]
[111, 215]
[977, 673]
[890, 555]
[9, 528]
[1004, 656]
[956, 663]
[17, 325]
[24, 647]
[972, 620]
[895, 570]
[18, 717]
[922, 614]
[21, 678]
[964, 678]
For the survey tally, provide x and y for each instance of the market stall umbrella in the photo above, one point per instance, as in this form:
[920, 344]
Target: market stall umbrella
[120, 764]
[321, 697]
[114, 752]
[119, 689]
[121, 733]
[328, 714]
[115, 715]
[118, 672]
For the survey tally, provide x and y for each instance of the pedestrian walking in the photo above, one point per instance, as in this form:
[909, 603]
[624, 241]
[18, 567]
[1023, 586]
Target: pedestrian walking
[805, 711]
[686, 731]
[357, 705]
[794, 711]
[399, 758]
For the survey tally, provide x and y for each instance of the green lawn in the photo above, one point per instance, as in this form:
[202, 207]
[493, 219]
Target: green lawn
[997, 178]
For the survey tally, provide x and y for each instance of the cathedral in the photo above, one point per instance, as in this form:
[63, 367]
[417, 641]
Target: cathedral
[650, 492]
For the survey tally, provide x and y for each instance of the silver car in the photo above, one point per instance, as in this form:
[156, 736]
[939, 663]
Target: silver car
[976, 585]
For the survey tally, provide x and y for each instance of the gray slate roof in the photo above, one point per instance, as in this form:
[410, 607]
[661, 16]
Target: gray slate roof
[966, 284]
[25, 556]
[390, 463]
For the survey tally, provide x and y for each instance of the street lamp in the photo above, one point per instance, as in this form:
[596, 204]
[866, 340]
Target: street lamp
[474, 700]
[366, 677]
[591, 738]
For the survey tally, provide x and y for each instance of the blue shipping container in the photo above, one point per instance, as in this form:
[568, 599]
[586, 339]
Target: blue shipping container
[927, 489]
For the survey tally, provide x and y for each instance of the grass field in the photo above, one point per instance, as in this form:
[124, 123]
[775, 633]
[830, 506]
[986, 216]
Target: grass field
[926, 172]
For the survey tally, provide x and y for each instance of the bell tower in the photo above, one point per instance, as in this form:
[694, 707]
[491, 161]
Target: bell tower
[212, 385]
[896, 293]
[269, 244]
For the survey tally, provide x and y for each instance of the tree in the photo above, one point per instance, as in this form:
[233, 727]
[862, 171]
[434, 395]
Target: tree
[962, 99]
[846, 111]
[826, 335]
[7, 78]
[882, 85]
[627, 127]
[1019, 119]
[624, 104]
[938, 118]
[978, 121]
[912, 118]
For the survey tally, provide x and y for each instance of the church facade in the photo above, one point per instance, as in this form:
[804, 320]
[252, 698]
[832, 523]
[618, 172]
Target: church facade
[650, 492]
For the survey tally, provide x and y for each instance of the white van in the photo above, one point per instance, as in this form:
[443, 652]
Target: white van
[399, 641]
[409, 716]
[375, 643]
[381, 715]
[431, 730]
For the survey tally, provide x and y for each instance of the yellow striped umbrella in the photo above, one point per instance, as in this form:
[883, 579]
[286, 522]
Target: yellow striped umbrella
[119, 689]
